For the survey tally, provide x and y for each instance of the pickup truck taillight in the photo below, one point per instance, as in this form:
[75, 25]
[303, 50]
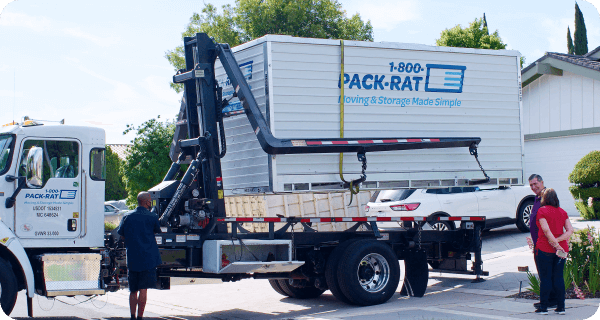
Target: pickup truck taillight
[405, 206]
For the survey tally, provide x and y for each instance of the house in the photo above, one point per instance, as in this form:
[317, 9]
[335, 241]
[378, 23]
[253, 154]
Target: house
[120, 149]
[561, 117]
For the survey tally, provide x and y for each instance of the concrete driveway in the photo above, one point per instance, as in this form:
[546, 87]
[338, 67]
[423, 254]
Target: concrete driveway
[448, 296]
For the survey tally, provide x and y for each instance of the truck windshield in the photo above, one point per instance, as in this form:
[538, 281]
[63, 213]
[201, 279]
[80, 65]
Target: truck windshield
[6, 146]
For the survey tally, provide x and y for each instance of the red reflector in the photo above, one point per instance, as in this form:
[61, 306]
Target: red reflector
[272, 219]
[413, 140]
[384, 219]
[359, 219]
[454, 218]
[244, 219]
[477, 218]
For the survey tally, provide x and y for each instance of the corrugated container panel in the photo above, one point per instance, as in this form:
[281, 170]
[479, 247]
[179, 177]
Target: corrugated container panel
[391, 91]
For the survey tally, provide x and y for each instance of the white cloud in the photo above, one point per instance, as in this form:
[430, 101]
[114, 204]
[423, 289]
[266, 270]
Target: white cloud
[384, 14]
[159, 88]
[101, 41]
[557, 33]
[11, 93]
[13, 19]
[45, 25]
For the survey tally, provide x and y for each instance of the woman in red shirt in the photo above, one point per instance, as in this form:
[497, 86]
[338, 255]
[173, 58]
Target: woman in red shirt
[555, 229]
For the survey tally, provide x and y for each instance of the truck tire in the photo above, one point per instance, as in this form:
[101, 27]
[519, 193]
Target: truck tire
[8, 287]
[308, 292]
[275, 285]
[523, 215]
[369, 273]
[331, 270]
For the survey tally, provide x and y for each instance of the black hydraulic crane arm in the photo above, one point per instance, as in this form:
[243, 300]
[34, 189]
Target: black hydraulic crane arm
[272, 145]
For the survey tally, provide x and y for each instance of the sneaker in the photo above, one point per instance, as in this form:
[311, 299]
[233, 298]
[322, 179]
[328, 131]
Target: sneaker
[537, 305]
[541, 311]
[559, 311]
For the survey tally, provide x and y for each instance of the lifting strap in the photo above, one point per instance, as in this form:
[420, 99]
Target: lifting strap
[353, 189]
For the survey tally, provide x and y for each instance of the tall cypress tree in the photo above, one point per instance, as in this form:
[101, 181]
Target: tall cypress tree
[581, 43]
[485, 27]
[570, 47]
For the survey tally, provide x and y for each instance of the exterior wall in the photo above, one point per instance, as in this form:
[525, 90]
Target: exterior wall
[557, 103]
[555, 158]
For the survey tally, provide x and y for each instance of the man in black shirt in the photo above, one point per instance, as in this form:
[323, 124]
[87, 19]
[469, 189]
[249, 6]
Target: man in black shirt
[138, 229]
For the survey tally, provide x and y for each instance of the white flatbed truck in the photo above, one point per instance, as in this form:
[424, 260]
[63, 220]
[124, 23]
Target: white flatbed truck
[52, 242]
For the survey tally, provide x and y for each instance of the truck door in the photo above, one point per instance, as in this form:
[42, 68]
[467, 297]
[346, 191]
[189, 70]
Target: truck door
[51, 207]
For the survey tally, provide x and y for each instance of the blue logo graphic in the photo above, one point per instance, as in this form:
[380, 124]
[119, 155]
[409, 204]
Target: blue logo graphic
[453, 78]
[68, 194]
[246, 69]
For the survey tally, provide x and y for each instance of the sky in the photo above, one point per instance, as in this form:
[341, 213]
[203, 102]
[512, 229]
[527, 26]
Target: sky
[101, 63]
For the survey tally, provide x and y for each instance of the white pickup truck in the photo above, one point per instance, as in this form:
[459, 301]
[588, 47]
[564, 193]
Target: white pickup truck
[501, 205]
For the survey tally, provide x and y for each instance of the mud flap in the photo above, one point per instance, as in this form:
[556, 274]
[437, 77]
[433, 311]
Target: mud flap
[417, 273]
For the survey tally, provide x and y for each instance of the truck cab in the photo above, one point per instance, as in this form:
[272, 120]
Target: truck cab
[51, 204]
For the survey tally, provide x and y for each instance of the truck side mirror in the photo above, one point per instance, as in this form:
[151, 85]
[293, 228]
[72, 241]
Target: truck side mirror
[35, 168]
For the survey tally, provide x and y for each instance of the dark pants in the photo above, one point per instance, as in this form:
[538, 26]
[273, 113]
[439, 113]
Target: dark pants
[550, 269]
[142, 279]
[552, 299]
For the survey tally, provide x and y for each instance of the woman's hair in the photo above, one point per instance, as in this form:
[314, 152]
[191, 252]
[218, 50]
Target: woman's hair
[549, 198]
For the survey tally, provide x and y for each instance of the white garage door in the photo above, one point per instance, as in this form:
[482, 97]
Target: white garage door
[554, 159]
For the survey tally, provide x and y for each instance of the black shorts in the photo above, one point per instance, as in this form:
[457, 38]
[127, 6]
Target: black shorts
[141, 279]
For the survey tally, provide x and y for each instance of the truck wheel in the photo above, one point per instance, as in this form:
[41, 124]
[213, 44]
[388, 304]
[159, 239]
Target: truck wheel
[8, 287]
[524, 215]
[368, 273]
[308, 292]
[331, 270]
[275, 285]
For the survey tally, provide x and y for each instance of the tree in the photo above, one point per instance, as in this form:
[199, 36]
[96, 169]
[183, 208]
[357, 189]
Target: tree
[148, 160]
[586, 180]
[251, 19]
[580, 34]
[570, 47]
[485, 24]
[114, 184]
[475, 36]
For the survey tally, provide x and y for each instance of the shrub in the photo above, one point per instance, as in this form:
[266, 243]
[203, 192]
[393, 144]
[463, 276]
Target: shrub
[583, 265]
[109, 226]
[586, 177]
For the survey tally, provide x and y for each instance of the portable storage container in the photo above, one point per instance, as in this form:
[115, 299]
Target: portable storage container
[391, 90]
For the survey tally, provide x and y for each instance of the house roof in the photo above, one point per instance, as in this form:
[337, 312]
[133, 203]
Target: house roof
[120, 149]
[594, 54]
[554, 63]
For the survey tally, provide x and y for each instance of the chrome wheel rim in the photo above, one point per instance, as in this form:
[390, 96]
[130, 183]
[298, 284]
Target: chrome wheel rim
[373, 272]
[527, 214]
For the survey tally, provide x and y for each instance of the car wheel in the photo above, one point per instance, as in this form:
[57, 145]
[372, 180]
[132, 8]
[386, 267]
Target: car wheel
[524, 215]
[441, 226]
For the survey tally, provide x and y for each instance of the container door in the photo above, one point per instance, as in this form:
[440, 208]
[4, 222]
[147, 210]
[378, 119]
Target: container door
[49, 206]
